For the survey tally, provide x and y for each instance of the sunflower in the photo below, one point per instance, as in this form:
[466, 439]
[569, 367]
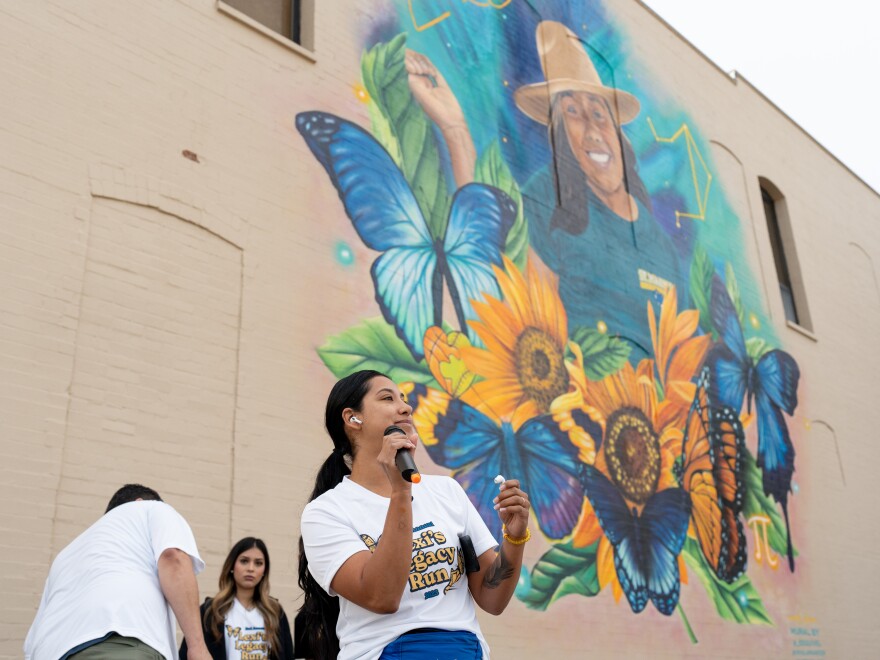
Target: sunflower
[640, 439]
[525, 336]
[636, 440]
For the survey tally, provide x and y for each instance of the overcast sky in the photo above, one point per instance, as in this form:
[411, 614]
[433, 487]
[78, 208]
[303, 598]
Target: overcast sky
[819, 63]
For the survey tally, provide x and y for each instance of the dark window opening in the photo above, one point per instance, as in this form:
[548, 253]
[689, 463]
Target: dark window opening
[782, 272]
[296, 21]
[286, 17]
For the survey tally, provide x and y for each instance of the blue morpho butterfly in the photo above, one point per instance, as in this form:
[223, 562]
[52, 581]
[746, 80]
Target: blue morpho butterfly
[539, 454]
[408, 276]
[646, 545]
[772, 384]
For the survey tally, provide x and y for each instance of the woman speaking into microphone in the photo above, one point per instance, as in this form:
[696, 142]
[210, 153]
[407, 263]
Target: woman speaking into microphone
[381, 561]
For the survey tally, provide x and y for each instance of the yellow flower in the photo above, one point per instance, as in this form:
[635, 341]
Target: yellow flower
[525, 337]
[640, 438]
[443, 354]
[571, 412]
[678, 354]
[640, 441]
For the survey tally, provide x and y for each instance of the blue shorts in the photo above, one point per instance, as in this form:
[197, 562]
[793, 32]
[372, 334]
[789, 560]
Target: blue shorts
[432, 644]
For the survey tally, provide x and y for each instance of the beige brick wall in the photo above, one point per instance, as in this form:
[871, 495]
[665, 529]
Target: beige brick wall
[160, 315]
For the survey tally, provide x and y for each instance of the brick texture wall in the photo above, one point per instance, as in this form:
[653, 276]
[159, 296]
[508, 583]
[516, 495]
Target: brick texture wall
[168, 272]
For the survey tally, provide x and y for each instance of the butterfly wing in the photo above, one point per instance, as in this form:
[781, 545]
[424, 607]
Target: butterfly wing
[697, 477]
[471, 445]
[729, 361]
[775, 458]
[778, 376]
[386, 216]
[373, 190]
[619, 527]
[713, 451]
[479, 220]
[549, 469]
[775, 450]
[725, 319]
[775, 391]
[728, 442]
[662, 531]
[729, 377]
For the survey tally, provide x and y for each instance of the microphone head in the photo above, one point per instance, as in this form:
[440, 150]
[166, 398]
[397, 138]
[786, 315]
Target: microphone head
[394, 429]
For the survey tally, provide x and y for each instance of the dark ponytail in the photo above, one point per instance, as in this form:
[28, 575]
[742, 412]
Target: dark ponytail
[319, 611]
[572, 212]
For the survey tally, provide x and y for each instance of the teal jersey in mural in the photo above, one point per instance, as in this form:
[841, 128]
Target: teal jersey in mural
[609, 272]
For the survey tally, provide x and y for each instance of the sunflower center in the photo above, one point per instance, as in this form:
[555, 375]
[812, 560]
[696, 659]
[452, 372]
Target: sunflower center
[540, 367]
[632, 452]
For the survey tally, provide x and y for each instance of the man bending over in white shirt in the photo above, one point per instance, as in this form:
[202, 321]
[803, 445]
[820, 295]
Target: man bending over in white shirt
[115, 591]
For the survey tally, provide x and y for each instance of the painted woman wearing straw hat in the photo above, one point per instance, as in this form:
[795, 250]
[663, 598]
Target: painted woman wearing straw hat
[589, 213]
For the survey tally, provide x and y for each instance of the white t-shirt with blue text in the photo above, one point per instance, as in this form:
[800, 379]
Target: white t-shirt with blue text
[349, 519]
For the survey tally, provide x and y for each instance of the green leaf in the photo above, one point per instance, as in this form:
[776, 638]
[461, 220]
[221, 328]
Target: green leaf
[756, 503]
[733, 291]
[383, 133]
[561, 571]
[493, 170]
[701, 287]
[658, 388]
[373, 344]
[385, 78]
[738, 602]
[603, 354]
[757, 347]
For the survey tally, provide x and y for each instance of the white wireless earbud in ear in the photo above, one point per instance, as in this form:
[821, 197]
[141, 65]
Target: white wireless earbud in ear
[354, 419]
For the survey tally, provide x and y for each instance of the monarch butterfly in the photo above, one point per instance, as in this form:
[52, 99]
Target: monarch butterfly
[711, 471]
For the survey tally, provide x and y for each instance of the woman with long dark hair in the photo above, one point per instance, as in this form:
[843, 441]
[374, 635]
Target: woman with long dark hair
[589, 214]
[381, 560]
[242, 619]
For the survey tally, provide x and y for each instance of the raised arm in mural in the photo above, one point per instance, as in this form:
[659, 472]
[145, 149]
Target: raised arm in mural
[433, 94]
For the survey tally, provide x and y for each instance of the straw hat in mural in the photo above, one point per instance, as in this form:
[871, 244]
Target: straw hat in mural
[568, 68]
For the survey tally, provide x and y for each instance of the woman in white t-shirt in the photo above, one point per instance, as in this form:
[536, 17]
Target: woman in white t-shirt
[243, 622]
[381, 563]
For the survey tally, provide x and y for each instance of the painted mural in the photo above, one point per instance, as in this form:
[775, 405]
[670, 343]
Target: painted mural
[561, 285]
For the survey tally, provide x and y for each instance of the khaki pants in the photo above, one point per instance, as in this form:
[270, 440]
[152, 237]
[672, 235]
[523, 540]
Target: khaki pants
[116, 647]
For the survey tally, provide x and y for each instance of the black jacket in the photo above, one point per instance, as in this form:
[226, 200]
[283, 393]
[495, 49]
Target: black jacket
[217, 648]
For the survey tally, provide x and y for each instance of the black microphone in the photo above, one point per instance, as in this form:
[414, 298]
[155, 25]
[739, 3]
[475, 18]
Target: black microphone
[404, 459]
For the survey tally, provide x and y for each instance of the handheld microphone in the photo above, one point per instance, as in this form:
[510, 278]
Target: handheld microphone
[404, 460]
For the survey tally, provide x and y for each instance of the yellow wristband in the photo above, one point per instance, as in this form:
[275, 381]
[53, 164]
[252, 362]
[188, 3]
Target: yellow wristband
[518, 541]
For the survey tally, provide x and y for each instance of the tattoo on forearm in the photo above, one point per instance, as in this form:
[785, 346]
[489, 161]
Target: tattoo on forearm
[500, 570]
